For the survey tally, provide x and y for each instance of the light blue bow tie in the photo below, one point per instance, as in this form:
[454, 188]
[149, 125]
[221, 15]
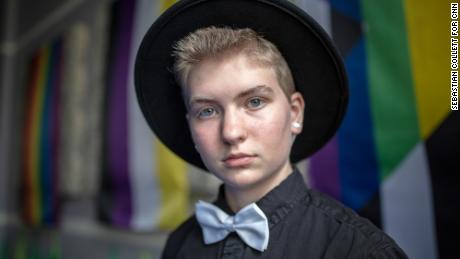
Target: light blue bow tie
[250, 223]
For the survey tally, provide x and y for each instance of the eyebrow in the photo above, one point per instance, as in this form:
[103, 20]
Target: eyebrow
[199, 100]
[259, 89]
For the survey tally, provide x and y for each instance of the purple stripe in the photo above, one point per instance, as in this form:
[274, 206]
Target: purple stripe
[118, 127]
[324, 169]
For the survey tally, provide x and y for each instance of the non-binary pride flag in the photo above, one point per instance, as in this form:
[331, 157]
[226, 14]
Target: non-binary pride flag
[393, 159]
[144, 185]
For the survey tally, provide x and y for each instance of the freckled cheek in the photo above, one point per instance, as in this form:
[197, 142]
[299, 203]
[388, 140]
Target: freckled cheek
[270, 129]
[274, 129]
[205, 136]
[274, 121]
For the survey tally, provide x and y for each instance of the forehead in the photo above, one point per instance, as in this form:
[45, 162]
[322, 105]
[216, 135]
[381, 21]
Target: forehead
[228, 76]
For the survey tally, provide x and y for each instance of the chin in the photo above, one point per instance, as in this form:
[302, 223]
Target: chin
[240, 178]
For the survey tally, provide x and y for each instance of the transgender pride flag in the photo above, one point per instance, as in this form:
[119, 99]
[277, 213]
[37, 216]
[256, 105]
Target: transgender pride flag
[393, 158]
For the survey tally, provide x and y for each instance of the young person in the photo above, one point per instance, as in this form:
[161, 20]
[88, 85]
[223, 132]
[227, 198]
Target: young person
[227, 99]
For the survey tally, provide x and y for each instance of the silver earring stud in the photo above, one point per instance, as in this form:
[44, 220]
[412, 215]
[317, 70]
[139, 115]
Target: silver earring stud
[296, 125]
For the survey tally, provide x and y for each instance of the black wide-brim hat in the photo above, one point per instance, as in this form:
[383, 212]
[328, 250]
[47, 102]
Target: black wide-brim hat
[316, 66]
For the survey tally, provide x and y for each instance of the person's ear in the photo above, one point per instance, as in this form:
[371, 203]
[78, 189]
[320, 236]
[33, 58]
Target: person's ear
[297, 109]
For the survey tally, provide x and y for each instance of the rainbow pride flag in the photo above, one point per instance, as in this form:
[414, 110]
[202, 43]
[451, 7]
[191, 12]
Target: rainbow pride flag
[393, 158]
[41, 136]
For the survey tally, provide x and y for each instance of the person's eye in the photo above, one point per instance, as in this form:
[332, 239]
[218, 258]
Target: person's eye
[207, 112]
[255, 103]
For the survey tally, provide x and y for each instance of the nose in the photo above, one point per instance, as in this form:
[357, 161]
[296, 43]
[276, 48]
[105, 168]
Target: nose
[233, 129]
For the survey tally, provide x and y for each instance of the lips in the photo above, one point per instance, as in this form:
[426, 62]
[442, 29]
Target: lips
[238, 160]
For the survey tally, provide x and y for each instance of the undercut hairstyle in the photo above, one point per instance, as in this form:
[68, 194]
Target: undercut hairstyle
[221, 42]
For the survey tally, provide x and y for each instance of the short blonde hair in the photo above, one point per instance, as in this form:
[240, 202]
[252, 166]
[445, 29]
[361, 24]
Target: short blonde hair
[213, 42]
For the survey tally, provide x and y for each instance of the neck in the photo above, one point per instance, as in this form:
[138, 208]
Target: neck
[238, 198]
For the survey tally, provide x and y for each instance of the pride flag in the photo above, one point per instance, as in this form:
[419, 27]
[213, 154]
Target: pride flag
[144, 186]
[41, 136]
[392, 159]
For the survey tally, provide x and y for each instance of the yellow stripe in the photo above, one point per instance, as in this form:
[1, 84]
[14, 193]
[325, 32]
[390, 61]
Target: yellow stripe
[174, 187]
[165, 4]
[428, 28]
[45, 53]
[171, 173]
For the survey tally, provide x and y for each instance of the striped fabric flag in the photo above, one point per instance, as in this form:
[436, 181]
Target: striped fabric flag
[41, 136]
[144, 186]
[392, 160]
[63, 109]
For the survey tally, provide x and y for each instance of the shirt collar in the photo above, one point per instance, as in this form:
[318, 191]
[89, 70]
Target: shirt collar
[278, 202]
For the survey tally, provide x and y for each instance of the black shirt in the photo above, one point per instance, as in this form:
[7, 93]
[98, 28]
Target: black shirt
[303, 224]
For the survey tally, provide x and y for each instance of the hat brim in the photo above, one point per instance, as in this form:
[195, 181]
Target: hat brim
[316, 66]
